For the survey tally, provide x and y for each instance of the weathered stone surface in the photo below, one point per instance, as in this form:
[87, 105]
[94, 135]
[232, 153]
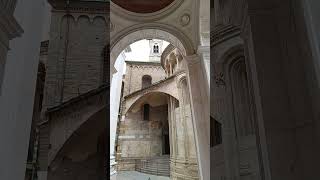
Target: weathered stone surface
[170, 113]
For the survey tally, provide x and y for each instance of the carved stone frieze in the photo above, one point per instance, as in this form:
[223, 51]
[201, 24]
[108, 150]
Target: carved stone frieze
[219, 79]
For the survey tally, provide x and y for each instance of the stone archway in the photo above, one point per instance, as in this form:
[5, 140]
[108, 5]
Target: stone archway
[149, 31]
[83, 153]
[187, 45]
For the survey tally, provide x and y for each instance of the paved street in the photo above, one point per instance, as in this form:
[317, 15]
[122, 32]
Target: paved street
[133, 175]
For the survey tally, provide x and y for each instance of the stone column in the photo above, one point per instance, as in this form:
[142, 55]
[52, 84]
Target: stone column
[200, 112]
[270, 52]
[173, 134]
[204, 52]
[221, 110]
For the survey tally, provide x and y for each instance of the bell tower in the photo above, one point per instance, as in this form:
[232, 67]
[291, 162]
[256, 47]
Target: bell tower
[155, 50]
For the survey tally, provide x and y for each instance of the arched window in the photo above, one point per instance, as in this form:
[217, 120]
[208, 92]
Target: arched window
[241, 99]
[146, 112]
[146, 81]
[155, 49]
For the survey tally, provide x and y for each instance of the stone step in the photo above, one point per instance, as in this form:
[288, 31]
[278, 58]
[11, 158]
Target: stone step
[156, 166]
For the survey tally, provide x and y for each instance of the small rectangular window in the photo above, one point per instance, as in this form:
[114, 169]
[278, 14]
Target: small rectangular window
[146, 109]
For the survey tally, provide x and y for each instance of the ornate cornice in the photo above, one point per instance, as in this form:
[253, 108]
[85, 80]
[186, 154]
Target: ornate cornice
[142, 63]
[80, 6]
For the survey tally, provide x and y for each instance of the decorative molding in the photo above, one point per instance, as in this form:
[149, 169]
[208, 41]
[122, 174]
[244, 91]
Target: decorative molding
[219, 79]
[150, 30]
[192, 60]
[145, 17]
[80, 6]
[185, 19]
[222, 33]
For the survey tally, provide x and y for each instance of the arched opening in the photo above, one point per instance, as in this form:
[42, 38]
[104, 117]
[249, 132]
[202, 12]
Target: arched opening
[243, 115]
[175, 136]
[83, 153]
[146, 137]
[146, 81]
[139, 6]
[146, 112]
[121, 41]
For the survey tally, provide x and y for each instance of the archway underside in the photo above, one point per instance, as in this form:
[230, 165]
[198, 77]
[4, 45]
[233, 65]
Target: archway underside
[122, 40]
[142, 6]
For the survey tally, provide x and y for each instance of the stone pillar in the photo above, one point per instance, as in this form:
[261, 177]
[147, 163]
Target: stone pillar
[199, 96]
[183, 159]
[221, 110]
[270, 52]
[173, 133]
[204, 52]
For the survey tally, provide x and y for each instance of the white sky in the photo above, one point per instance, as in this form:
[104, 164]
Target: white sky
[141, 50]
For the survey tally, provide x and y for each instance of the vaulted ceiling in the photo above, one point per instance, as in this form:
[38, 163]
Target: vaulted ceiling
[143, 6]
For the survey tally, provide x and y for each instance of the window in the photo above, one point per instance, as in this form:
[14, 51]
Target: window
[215, 132]
[156, 49]
[146, 112]
[146, 81]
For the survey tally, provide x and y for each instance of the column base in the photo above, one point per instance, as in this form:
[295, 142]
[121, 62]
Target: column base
[113, 165]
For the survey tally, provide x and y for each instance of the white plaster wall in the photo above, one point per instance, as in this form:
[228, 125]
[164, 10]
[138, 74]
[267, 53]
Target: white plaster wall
[16, 101]
[115, 93]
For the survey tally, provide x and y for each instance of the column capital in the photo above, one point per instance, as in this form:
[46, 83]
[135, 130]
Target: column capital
[192, 59]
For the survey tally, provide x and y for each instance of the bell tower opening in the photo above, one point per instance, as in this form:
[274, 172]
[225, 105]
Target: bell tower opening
[155, 50]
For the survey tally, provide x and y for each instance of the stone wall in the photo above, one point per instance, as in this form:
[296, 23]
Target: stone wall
[76, 60]
[135, 71]
[139, 138]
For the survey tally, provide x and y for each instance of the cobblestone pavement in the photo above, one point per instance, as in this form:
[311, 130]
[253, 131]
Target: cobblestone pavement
[133, 175]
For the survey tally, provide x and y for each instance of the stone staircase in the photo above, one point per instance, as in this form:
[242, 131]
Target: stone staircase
[159, 166]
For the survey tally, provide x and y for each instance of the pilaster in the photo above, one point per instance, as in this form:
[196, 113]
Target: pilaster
[200, 112]
[266, 60]
[204, 52]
